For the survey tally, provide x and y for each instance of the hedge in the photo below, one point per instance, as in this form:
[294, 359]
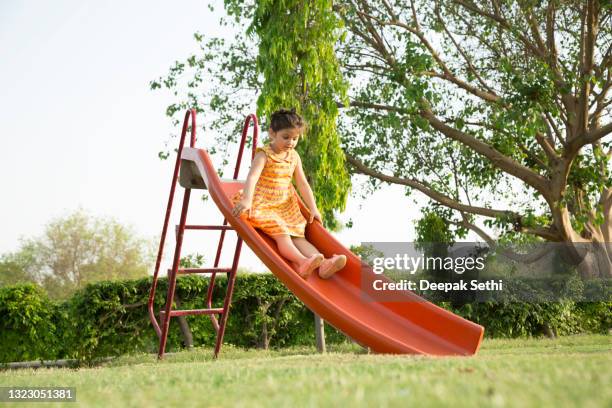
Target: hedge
[110, 318]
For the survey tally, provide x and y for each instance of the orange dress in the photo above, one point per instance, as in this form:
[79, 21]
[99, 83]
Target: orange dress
[275, 208]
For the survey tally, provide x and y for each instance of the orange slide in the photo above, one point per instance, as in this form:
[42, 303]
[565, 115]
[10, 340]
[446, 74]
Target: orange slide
[409, 326]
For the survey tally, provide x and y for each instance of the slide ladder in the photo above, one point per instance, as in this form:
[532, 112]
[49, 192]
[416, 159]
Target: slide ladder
[185, 178]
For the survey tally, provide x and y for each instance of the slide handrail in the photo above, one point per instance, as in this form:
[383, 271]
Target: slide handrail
[250, 118]
[191, 113]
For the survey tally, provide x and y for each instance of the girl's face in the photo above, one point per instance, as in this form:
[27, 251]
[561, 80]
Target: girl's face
[285, 139]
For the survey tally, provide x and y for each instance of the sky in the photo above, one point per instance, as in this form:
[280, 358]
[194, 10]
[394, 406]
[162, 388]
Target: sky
[80, 128]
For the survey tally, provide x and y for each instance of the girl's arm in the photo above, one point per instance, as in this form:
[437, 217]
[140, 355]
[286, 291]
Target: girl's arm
[305, 191]
[259, 161]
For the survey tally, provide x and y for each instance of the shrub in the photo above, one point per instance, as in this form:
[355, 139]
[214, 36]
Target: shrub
[28, 324]
[110, 318]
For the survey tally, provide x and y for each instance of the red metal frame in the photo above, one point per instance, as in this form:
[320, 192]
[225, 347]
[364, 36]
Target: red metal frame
[162, 327]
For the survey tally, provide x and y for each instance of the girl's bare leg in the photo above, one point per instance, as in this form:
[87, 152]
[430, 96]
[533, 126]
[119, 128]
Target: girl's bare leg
[287, 249]
[305, 247]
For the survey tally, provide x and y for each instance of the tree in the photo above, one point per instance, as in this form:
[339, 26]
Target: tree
[498, 112]
[305, 75]
[79, 249]
[477, 102]
[14, 268]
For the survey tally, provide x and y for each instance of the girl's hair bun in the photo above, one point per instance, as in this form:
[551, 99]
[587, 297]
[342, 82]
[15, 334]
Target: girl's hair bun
[286, 119]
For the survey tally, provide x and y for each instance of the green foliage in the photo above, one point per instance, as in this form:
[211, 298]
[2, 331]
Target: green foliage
[366, 253]
[530, 306]
[299, 66]
[28, 326]
[14, 268]
[192, 261]
[200, 82]
[595, 317]
[111, 318]
[520, 319]
[434, 227]
[435, 234]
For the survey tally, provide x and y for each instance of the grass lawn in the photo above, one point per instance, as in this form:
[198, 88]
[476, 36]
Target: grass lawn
[569, 371]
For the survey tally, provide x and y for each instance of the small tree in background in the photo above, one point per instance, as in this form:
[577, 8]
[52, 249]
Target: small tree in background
[14, 268]
[76, 250]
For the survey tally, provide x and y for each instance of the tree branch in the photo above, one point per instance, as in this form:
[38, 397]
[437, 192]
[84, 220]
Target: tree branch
[479, 231]
[600, 102]
[606, 202]
[369, 105]
[466, 57]
[551, 122]
[431, 193]
[498, 159]
[541, 54]
[545, 233]
[447, 74]
[526, 258]
[535, 31]
[503, 23]
[548, 148]
[392, 13]
[550, 34]
[599, 133]
[521, 146]
[586, 67]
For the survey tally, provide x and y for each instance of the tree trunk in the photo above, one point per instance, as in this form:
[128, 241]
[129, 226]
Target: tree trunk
[264, 339]
[548, 331]
[593, 260]
[185, 330]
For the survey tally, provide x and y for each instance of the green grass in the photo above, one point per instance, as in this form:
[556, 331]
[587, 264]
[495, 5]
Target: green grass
[568, 371]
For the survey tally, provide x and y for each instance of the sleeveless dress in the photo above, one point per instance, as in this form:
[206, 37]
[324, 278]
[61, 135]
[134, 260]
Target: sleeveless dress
[275, 208]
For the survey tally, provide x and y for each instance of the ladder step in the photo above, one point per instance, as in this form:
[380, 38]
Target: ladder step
[191, 312]
[187, 271]
[208, 227]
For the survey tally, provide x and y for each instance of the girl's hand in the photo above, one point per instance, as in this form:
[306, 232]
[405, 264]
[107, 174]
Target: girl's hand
[240, 207]
[315, 214]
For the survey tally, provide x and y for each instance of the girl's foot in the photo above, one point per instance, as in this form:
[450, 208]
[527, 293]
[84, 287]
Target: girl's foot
[332, 265]
[309, 265]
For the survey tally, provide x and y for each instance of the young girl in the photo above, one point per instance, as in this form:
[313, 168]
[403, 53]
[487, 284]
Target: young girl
[270, 201]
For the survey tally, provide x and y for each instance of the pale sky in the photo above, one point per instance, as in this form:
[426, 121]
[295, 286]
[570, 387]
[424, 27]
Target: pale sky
[79, 126]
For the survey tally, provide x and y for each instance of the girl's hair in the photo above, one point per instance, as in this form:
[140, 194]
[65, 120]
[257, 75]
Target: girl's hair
[285, 119]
